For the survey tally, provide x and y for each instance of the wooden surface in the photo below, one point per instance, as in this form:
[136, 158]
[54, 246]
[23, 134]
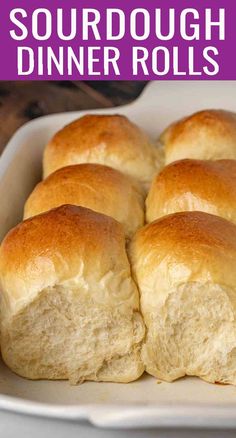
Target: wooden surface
[24, 101]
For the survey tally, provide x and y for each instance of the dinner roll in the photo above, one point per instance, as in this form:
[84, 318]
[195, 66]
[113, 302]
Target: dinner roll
[187, 185]
[70, 307]
[206, 135]
[98, 187]
[184, 265]
[104, 139]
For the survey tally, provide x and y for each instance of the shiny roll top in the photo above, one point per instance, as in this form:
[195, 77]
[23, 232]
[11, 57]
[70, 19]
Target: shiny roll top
[188, 185]
[205, 135]
[104, 139]
[94, 186]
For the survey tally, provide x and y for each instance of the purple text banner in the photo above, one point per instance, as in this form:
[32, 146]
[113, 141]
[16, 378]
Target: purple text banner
[117, 40]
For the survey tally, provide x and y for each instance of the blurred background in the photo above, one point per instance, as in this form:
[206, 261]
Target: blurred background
[22, 101]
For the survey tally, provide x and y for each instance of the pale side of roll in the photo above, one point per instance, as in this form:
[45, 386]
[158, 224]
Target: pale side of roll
[205, 135]
[70, 307]
[184, 265]
[111, 140]
[100, 188]
[188, 185]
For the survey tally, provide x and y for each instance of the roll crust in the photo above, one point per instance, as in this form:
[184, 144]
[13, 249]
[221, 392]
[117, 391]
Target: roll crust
[205, 135]
[188, 185]
[94, 186]
[104, 139]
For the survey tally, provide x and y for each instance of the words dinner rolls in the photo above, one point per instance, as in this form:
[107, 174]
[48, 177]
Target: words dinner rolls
[188, 185]
[70, 307]
[206, 135]
[184, 265]
[97, 187]
[104, 139]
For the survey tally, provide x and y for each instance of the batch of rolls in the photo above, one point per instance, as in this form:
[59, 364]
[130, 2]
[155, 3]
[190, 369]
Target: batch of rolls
[89, 292]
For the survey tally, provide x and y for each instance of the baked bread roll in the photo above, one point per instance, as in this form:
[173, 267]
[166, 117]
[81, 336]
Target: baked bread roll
[184, 265]
[206, 135]
[70, 307]
[94, 186]
[189, 185]
[104, 139]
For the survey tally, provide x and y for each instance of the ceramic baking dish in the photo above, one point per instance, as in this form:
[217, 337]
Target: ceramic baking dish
[186, 403]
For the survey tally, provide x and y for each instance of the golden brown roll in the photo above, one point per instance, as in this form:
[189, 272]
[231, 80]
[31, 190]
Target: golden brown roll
[70, 307]
[104, 139]
[94, 186]
[184, 265]
[206, 135]
[189, 185]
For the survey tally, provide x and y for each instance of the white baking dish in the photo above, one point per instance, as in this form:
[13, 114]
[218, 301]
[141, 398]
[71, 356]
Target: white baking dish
[186, 403]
